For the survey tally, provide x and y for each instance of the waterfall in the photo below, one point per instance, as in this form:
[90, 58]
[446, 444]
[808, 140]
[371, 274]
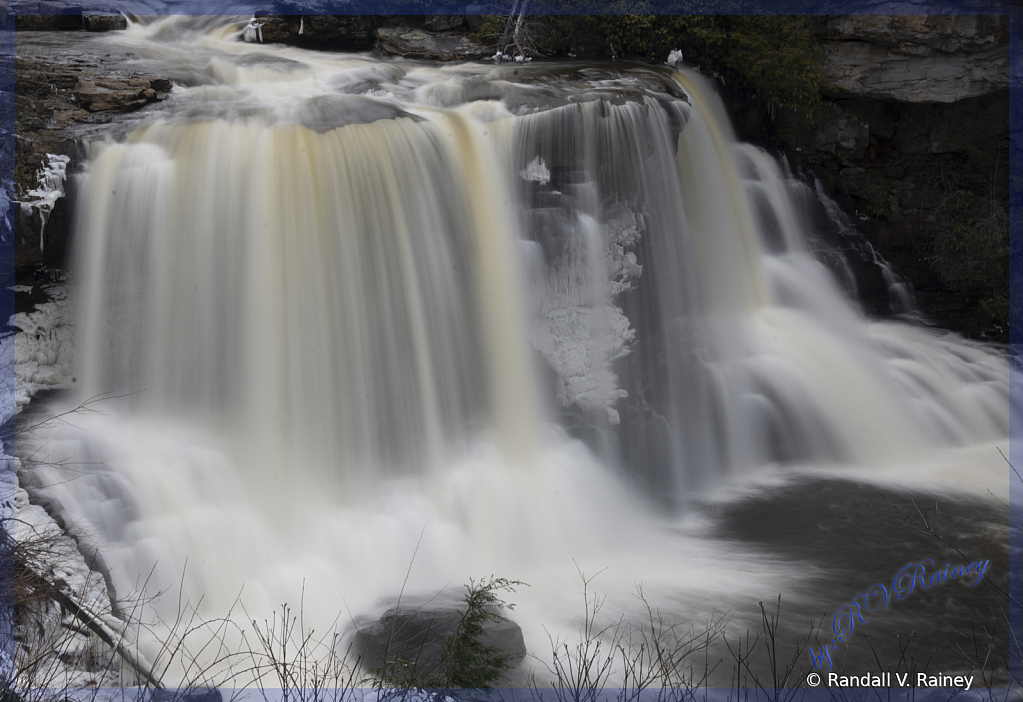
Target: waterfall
[354, 310]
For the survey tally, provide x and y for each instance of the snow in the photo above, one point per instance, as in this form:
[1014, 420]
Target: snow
[580, 343]
[42, 349]
[51, 634]
[64, 566]
[576, 325]
[623, 234]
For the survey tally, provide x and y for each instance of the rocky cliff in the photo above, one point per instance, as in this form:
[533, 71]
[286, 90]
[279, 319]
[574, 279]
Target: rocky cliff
[942, 59]
[914, 142]
[67, 88]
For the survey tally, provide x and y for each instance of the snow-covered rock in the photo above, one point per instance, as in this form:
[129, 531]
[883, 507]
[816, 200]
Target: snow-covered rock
[42, 349]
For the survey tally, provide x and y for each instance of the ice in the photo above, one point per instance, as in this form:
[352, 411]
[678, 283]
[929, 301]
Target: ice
[42, 351]
[536, 172]
[50, 189]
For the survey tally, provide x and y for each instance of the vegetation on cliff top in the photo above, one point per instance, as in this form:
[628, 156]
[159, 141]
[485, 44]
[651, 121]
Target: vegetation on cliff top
[774, 57]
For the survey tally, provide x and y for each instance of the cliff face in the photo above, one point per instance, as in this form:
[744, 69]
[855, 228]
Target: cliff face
[943, 58]
[914, 142]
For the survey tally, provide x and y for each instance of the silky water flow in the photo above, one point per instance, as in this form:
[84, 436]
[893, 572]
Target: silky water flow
[370, 325]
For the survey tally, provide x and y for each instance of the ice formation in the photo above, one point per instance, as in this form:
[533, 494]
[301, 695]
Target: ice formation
[50, 189]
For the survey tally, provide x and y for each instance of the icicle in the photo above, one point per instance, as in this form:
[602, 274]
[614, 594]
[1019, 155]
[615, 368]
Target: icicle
[50, 189]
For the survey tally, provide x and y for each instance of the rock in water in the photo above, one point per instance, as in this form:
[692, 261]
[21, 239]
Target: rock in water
[415, 631]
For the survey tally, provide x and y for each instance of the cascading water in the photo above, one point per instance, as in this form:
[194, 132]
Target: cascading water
[331, 294]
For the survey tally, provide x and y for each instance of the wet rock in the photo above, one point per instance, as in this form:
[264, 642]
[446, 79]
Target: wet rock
[106, 95]
[416, 630]
[437, 37]
[420, 44]
[843, 133]
[916, 58]
[326, 112]
[104, 23]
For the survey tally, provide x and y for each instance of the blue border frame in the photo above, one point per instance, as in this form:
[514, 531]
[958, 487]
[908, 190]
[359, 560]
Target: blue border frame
[6, 304]
[817, 7]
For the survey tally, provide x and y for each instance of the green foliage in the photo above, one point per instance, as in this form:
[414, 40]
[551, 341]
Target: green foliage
[875, 191]
[490, 31]
[971, 248]
[775, 57]
[466, 662]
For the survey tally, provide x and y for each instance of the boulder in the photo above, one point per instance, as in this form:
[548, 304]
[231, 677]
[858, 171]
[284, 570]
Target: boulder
[421, 44]
[110, 95]
[415, 632]
[939, 59]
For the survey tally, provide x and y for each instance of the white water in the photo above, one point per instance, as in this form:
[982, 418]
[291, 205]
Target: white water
[315, 280]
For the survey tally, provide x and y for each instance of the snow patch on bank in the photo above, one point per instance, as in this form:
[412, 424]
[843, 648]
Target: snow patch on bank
[42, 349]
[62, 652]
